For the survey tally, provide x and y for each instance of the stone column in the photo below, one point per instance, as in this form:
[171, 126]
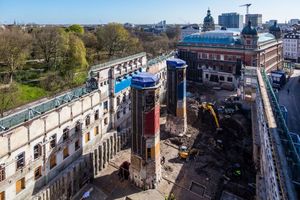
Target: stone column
[108, 149]
[119, 143]
[95, 162]
[100, 158]
[104, 153]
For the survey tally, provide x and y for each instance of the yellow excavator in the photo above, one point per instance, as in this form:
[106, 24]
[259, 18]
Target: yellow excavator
[209, 107]
[185, 152]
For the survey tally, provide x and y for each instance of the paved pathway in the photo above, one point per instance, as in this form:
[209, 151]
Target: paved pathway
[292, 101]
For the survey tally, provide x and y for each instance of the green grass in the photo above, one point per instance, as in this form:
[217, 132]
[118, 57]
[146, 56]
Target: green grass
[24, 94]
[28, 93]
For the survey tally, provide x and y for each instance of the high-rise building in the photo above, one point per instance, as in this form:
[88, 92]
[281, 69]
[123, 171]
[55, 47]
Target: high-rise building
[255, 19]
[294, 21]
[231, 20]
[145, 168]
[271, 22]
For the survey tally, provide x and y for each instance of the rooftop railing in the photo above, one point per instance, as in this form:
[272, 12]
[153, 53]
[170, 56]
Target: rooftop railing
[20, 117]
[116, 61]
[290, 148]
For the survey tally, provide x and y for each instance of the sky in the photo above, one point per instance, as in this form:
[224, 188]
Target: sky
[138, 11]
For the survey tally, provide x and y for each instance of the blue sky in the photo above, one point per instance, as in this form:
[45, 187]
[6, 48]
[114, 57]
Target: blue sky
[137, 11]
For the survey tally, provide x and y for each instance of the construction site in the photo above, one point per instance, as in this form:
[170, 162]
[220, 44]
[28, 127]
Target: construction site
[212, 160]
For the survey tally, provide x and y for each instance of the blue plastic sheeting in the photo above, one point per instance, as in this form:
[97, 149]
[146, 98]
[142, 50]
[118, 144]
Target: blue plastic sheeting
[209, 39]
[176, 63]
[144, 79]
[181, 90]
[123, 84]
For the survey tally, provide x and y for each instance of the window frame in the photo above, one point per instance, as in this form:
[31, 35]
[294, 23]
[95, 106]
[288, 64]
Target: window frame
[20, 162]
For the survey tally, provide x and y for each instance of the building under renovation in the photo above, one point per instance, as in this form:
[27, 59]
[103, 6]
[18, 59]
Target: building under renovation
[145, 169]
[176, 96]
[50, 149]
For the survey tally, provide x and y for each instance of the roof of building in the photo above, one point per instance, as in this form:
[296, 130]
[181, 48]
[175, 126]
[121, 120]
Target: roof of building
[144, 79]
[176, 63]
[292, 35]
[264, 37]
[194, 26]
[225, 37]
[249, 30]
[39, 109]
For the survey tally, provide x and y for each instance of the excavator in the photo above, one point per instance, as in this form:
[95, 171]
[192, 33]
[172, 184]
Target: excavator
[185, 152]
[209, 107]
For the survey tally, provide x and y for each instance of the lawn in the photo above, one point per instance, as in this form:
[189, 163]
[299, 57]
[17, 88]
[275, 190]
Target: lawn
[21, 95]
[28, 93]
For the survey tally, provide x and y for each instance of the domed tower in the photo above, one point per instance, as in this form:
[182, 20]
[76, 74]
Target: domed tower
[208, 22]
[275, 30]
[249, 36]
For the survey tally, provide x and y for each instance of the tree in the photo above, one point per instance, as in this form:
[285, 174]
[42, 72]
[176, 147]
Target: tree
[173, 33]
[75, 58]
[7, 98]
[91, 44]
[116, 39]
[75, 28]
[14, 49]
[50, 44]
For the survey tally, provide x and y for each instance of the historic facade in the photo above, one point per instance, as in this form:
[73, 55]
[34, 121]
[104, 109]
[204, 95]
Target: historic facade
[51, 149]
[216, 57]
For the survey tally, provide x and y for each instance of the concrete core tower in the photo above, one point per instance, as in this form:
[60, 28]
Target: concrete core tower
[145, 168]
[176, 98]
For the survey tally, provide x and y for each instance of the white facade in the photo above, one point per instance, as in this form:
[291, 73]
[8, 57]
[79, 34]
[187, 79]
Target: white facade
[291, 46]
[52, 155]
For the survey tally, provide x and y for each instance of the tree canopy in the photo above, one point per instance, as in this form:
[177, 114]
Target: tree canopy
[75, 28]
[14, 49]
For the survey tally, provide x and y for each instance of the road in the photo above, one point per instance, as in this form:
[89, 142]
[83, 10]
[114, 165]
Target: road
[292, 101]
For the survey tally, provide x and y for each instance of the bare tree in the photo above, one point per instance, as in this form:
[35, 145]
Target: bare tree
[14, 49]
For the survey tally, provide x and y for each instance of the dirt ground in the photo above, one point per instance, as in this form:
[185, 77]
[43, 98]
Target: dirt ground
[207, 174]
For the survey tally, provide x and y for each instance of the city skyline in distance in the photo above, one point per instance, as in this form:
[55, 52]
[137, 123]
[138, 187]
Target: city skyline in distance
[137, 12]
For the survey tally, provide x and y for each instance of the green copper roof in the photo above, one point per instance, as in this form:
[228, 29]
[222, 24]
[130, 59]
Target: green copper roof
[249, 30]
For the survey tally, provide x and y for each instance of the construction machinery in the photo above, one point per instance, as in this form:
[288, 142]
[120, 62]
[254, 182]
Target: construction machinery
[185, 152]
[209, 107]
[247, 7]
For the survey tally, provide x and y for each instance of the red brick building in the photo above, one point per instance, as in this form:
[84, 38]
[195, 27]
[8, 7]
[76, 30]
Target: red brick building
[218, 56]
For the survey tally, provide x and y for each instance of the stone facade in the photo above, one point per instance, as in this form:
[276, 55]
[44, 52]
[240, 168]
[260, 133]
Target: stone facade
[53, 153]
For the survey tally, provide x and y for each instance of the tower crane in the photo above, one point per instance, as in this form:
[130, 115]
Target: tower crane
[247, 7]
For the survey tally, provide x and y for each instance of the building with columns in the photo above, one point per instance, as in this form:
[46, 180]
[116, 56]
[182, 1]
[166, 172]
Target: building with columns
[216, 57]
[52, 148]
